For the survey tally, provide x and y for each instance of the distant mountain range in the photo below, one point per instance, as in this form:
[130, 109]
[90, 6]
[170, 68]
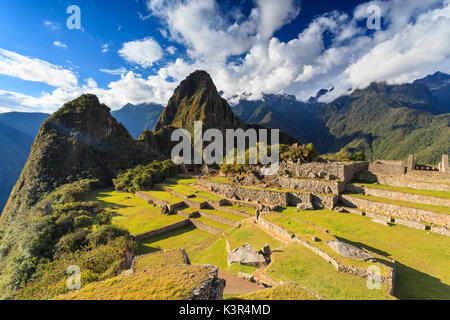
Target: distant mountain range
[383, 121]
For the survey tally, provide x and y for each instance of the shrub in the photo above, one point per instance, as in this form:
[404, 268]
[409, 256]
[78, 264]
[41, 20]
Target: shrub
[143, 177]
[72, 242]
[82, 221]
[104, 217]
[106, 233]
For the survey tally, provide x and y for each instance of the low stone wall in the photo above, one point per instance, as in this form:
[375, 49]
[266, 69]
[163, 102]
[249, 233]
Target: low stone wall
[211, 289]
[313, 185]
[343, 171]
[412, 214]
[389, 279]
[244, 194]
[162, 230]
[205, 227]
[220, 219]
[441, 230]
[160, 203]
[398, 195]
[377, 216]
[411, 224]
[408, 181]
[267, 197]
[383, 168]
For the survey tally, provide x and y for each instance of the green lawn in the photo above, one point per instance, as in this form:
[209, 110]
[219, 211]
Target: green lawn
[185, 238]
[216, 253]
[302, 266]
[429, 207]
[288, 291]
[224, 214]
[165, 196]
[132, 213]
[212, 223]
[423, 258]
[430, 193]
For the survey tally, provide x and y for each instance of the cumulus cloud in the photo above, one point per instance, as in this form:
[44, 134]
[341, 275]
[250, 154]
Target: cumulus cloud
[32, 69]
[52, 25]
[59, 44]
[115, 72]
[143, 52]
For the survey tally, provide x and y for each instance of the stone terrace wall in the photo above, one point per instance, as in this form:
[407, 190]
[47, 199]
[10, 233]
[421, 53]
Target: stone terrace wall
[160, 203]
[343, 171]
[156, 232]
[205, 227]
[211, 289]
[398, 195]
[408, 181]
[383, 168]
[393, 210]
[313, 185]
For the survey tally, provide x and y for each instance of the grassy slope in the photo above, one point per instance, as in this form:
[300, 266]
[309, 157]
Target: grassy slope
[216, 253]
[132, 213]
[423, 259]
[430, 193]
[299, 264]
[288, 291]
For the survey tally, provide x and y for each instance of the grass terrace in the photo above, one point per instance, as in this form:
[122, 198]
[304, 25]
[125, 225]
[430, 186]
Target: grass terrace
[159, 258]
[156, 283]
[430, 193]
[165, 196]
[302, 266]
[185, 237]
[212, 223]
[216, 253]
[224, 214]
[288, 291]
[132, 213]
[423, 258]
[429, 207]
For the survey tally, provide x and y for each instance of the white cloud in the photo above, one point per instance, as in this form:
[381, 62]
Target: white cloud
[52, 25]
[105, 48]
[115, 72]
[142, 52]
[171, 49]
[60, 44]
[32, 69]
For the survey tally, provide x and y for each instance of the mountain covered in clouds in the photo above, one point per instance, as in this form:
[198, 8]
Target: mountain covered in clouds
[140, 117]
[384, 121]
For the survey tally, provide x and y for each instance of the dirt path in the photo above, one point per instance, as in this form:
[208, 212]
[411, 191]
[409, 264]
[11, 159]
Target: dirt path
[238, 285]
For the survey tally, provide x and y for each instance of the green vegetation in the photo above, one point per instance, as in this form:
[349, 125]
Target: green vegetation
[224, 214]
[144, 177]
[156, 283]
[345, 154]
[423, 258]
[216, 253]
[430, 193]
[185, 237]
[212, 223]
[415, 205]
[132, 213]
[159, 258]
[287, 291]
[300, 265]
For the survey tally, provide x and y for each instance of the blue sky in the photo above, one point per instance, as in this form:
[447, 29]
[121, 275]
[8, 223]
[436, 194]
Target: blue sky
[138, 50]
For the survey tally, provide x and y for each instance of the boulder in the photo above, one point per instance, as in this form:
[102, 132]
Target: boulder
[164, 210]
[305, 206]
[246, 256]
[349, 251]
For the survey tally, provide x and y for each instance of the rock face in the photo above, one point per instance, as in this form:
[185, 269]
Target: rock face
[349, 251]
[305, 206]
[248, 256]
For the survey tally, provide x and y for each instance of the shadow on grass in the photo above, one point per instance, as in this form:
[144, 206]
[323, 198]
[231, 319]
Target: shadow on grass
[411, 284]
[144, 246]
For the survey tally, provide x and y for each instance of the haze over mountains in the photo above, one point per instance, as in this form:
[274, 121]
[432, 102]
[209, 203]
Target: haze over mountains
[381, 120]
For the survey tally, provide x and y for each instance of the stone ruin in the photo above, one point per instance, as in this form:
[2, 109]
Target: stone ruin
[248, 256]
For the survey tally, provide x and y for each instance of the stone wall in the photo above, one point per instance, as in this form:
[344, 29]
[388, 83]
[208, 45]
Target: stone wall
[313, 185]
[162, 230]
[392, 210]
[217, 218]
[343, 171]
[386, 168]
[408, 181]
[205, 227]
[398, 195]
[441, 230]
[211, 289]
[160, 203]
[267, 197]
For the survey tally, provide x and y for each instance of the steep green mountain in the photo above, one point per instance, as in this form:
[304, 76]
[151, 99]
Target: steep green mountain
[197, 99]
[439, 85]
[140, 117]
[81, 140]
[389, 122]
[17, 132]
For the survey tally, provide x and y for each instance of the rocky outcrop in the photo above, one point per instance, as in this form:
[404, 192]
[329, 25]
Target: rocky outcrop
[349, 251]
[248, 256]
